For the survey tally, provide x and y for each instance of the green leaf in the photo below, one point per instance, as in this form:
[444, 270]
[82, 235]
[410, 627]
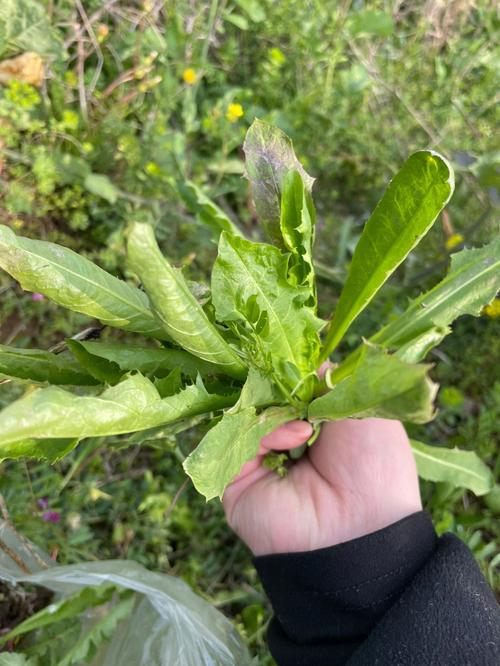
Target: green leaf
[151, 360]
[71, 169]
[16, 659]
[169, 385]
[42, 366]
[231, 443]
[258, 391]
[380, 385]
[411, 203]
[371, 22]
[48, 450]
[419, 347]
[76, 283]
[472, 282]
[206, 210]
[461, 469]
[269, 156]
[100, 631]
[133, 404]
[25, 26]
[492, 499]
[69, 607]
[105, 371]
[101, 186]
[237, 20]
[253, 9]
[297, 222]
[250, 286]
[175, 306]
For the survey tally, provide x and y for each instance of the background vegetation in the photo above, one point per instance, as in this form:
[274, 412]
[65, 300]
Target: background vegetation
[114, 105]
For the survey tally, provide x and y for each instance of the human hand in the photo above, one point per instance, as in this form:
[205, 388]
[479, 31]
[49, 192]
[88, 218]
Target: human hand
[358, 477]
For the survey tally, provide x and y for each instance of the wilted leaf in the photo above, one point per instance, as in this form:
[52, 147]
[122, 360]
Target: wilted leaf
[414, 198]
[269, 156]
[461, 469]
[231, 443]
[76, 283]
[175, 306]
[380, 385]
[27, 67]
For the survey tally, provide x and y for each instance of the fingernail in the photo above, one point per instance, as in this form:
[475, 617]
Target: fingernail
[302, 428]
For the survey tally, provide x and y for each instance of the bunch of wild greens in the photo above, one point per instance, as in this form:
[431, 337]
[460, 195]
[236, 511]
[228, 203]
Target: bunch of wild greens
[245, 355]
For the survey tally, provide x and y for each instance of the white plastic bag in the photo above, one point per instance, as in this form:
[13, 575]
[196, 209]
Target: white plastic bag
[169, 625]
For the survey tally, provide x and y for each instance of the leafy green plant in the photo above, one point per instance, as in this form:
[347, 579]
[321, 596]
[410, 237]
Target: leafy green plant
[247, 358]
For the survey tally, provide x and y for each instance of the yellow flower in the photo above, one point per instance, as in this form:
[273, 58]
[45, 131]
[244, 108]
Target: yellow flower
[189, 76]
[234, 111]
[493, 309]
[453, 241]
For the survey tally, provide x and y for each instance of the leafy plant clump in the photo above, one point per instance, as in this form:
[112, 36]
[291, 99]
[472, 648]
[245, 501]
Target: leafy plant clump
[244, 355]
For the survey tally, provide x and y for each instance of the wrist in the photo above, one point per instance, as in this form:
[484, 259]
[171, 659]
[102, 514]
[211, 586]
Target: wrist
[378, 516]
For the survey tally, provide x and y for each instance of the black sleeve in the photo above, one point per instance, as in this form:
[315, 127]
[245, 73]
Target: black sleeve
[396, 597]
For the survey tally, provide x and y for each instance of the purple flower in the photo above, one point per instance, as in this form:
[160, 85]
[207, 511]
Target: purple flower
[52, 516]
[43, 503]
[37, 297]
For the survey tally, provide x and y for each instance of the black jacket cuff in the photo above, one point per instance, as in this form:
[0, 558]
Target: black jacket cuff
[338, 594]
